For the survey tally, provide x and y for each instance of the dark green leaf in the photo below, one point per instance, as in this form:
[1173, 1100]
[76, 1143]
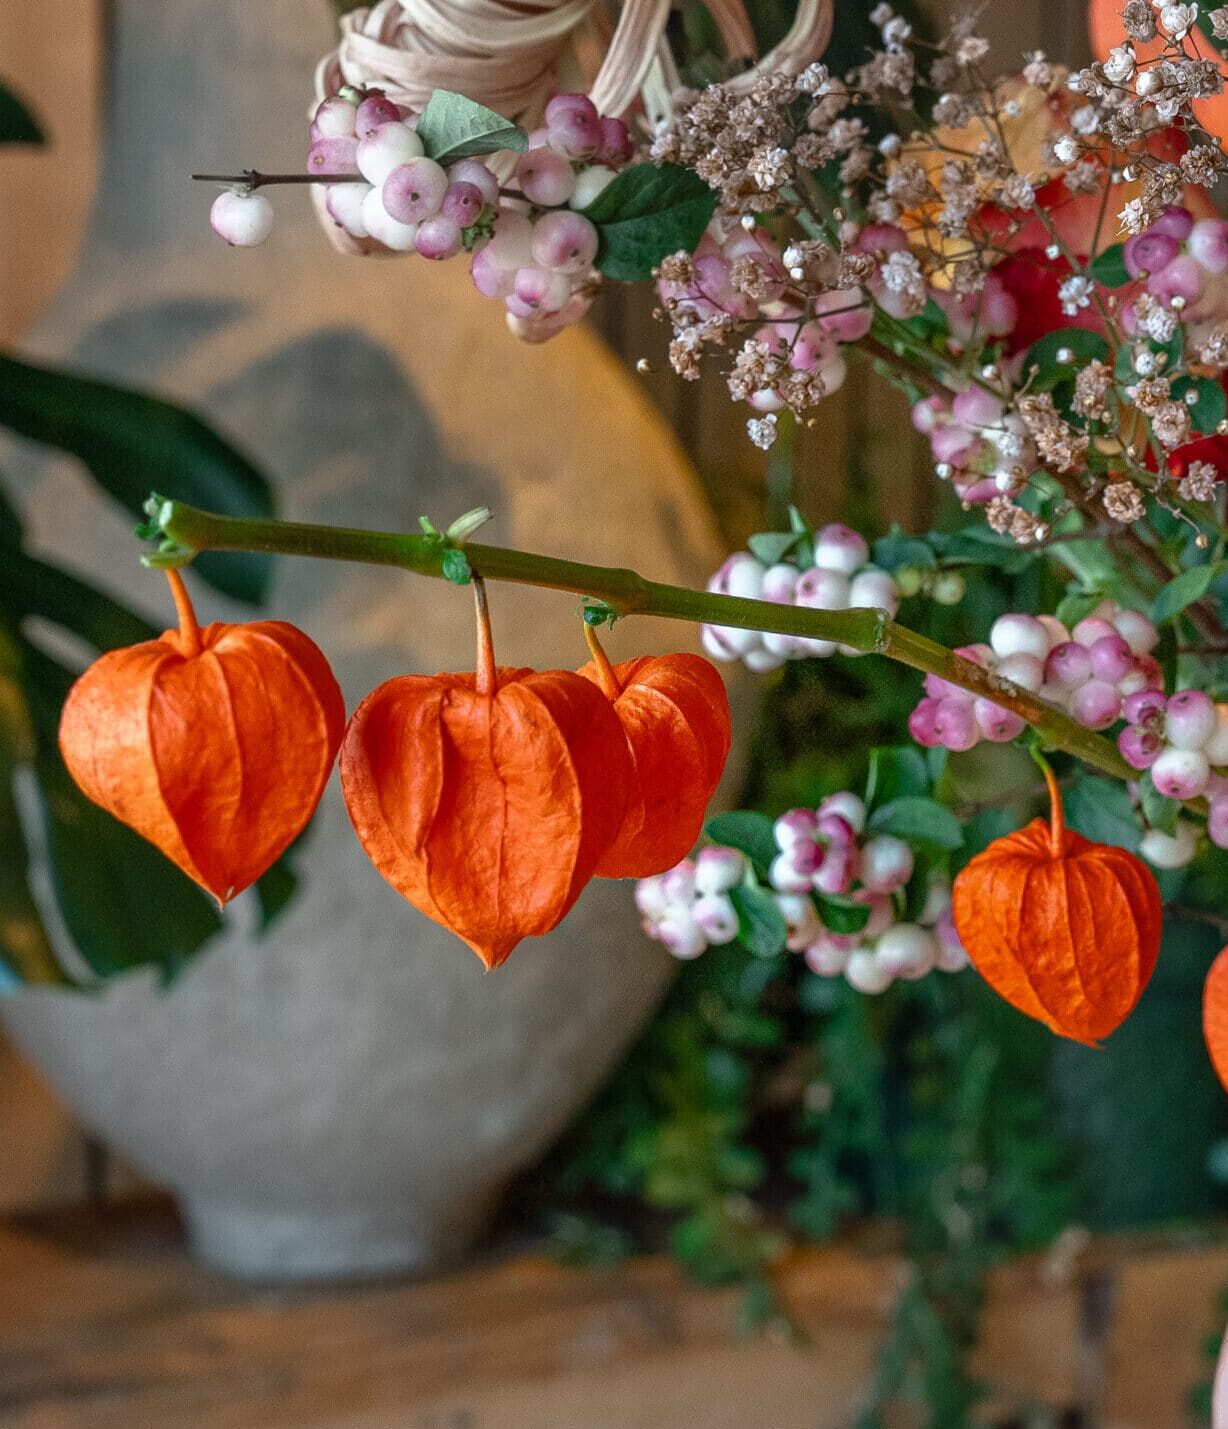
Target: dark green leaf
[1109, 267]
[1100, 809]
[747, 831]
[918, 820]
[1159, 811]
[453, 127]
[1042, 356]
[17, 124]
[132, 442]
[762, 929]
[1209, 406]
[896, 550]
[1183, 590]
[32, 587]
[895, 773]
[26, 954]
[1076, 606]
[10, 524]
[772, 546]
[647, 213]
[840, 915]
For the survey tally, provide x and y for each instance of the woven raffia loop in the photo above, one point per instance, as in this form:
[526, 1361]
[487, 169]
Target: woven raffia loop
[512, 57]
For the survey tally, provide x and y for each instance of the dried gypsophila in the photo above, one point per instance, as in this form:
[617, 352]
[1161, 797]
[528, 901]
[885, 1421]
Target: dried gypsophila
[1199, 482]
[1123, 502]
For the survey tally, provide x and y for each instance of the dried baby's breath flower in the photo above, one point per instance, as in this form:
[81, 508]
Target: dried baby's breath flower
[1199, 482]
[1091, 391]
[762, 430]
[1122, 502]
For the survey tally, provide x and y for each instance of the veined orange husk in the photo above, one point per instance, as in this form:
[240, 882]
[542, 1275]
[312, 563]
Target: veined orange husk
[217, 753]
[489, 810]
[674, 713]
[1215, 1016]
[1064, 929]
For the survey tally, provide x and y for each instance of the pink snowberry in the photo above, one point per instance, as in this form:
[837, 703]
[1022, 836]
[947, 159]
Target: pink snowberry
[437, 238]
[565, 242]
[614, 145]
[335, 118]
[375, 110]
[333, 156]
[415, 190]
[1096, 704]
[546, 177]
[1189, 719]
[574, 125]
[473, 171]
[463, 203]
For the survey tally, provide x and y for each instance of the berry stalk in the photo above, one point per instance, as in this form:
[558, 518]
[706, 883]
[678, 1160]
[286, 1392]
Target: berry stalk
[627, 592]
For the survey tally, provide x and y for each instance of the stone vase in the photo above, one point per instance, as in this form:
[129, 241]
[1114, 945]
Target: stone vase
[348, 1094]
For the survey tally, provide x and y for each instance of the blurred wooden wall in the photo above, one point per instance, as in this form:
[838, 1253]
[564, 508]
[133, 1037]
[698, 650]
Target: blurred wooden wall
[55, 57]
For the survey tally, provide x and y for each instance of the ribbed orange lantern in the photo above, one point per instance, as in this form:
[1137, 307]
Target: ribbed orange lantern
[486, 800]
[1064, 929]
[674, 713]
[213, 744]
[1215, 1016]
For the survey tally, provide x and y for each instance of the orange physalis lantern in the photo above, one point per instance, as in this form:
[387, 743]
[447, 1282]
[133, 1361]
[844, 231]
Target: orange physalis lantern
[1064, 929]
[486, 800]
[675, 715]
[1215, 1016]
[213, 744]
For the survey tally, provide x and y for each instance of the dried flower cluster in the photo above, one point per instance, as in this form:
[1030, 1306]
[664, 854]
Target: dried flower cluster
[961, 256]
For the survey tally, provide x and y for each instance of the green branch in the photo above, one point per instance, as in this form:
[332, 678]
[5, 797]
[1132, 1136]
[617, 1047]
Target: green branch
[628, 593]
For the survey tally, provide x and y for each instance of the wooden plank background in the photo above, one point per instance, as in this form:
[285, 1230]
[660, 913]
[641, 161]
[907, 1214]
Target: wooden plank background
[55, 56]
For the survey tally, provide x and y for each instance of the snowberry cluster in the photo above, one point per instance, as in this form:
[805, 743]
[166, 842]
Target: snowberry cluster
[1182, 739]
[1184, 265]
[794, 358]
[840, 578]
[983, 449]
[821, 851]
[1089, 672]
[532, 247]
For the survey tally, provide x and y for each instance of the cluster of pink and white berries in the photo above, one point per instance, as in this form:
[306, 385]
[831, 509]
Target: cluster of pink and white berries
[822, 851]
[1182, 739]
[532, 247]
[1090, 672]
[977, 445]
[1185, 267]
[841, 578]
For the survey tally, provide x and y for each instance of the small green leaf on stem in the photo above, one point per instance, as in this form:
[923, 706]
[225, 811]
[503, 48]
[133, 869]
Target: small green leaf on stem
[456, 566]
[1184, 590]
[761, 925]
[453, 127]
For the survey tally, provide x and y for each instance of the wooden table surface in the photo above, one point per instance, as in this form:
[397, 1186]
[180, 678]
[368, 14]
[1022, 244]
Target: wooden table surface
[106, 1324]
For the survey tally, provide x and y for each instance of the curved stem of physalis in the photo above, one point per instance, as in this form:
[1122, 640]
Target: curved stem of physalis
[486, 679]
[606, 677]
[189, 630]
[1057, 818]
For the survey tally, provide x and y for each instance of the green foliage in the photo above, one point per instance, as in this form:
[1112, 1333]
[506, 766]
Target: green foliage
[130, 442]
[648, 212]
[453, 127]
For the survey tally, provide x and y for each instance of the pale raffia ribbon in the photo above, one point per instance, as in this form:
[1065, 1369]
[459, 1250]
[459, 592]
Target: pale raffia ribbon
[513, 56]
